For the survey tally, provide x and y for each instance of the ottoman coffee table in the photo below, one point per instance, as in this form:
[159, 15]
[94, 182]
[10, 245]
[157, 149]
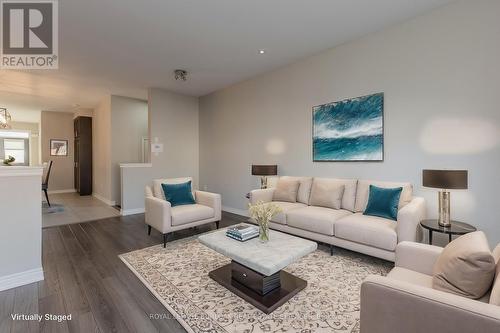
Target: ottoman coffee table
[256, 270]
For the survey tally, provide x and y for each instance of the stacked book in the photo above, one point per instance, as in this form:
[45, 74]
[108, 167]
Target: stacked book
[242, 232]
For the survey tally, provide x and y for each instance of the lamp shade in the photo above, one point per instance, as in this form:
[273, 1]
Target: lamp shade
[264, 170]
[445, 179]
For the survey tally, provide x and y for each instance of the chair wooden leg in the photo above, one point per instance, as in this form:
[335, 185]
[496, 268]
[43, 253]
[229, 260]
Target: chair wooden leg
[164, 240]
[331, 249]
[47, 197]
[217, 224]
[149, 230]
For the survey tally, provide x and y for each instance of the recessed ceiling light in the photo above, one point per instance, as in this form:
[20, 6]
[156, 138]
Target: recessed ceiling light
[262, 51]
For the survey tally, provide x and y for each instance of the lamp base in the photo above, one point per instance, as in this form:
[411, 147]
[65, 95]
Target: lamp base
[263, 182]
[444, 209]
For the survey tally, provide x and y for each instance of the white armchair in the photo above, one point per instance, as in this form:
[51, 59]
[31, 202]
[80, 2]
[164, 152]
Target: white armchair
[405, 301]
[166, 219]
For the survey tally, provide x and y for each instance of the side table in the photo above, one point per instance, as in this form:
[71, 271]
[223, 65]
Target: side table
[456, 228]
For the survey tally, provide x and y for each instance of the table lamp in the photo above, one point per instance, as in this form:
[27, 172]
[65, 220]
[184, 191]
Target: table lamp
[445, 180]
[263, 171]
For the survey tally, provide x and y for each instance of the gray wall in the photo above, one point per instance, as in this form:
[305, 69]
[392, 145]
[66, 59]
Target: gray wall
[173, 121]
[439, 73]
[101, 150]
[58, 125]
[119, 123]
[129, 124]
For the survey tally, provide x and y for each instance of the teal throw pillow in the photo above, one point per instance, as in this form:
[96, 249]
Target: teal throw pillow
[178, 194]
[383, 202]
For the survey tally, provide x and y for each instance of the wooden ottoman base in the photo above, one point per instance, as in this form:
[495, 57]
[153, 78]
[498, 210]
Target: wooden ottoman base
[266, 293]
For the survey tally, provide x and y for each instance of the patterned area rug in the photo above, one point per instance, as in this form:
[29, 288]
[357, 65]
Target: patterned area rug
[178, 277]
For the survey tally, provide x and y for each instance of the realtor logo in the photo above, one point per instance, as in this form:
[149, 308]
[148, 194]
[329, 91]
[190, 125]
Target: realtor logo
[29, 36]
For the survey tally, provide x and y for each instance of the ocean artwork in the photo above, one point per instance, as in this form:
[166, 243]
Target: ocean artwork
[349, 130]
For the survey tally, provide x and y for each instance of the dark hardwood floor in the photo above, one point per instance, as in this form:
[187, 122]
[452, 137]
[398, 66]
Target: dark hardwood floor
[85, 278]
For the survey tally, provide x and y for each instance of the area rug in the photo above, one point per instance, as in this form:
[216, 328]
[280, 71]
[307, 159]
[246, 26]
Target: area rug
[178, 277]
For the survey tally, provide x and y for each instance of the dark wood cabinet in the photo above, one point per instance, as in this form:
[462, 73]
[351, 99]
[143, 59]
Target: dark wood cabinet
[83, 155]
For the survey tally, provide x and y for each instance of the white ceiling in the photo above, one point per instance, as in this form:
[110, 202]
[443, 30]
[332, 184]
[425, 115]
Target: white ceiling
[125, 46]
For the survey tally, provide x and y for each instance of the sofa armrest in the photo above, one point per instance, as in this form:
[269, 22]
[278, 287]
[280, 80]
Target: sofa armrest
[409, 218]
[261, 195]
[417, 257]
[158, 215]
[148, 191]
[211, 200]
[389, 305]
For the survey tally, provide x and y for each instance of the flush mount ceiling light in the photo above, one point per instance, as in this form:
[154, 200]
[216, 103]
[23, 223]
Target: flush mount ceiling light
[180, 74]
[262, 51]
[4, 118]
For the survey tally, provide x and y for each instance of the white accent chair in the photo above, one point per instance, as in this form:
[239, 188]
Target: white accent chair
[166, 219]
[404, 300]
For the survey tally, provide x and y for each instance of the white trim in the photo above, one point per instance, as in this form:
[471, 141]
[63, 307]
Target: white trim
[103, 199]
[235, 211]
[62, 191]
[136, 165]
[132, 211]
[18, 171]
[21, 279]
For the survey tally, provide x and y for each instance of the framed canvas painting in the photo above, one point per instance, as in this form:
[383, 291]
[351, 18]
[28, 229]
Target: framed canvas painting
[58, 147]
[349, 130]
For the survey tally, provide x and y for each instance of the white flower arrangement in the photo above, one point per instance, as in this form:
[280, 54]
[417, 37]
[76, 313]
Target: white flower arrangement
[262, 213]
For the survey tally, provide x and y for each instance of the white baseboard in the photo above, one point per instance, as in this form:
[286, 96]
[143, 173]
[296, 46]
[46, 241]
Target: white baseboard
[133, 211]
[125, 212]
[235, 211]
[62, 191]
[103, 199]
[21, 279]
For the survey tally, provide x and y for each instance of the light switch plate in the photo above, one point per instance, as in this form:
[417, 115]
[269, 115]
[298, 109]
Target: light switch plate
[157, 147]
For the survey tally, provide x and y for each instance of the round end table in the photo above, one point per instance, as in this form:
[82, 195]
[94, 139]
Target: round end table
[456, 228]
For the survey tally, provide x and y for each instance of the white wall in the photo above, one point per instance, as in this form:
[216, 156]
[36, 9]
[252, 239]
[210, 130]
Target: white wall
[440, 75]
[20, 226]
[173, 121]
[83, 112]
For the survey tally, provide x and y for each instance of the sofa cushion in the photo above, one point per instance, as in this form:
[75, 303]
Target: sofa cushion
[349, 196]
[495, 291]
[316, 219]
[383, 202]
[304, 187]
[326, 193]
[191, 213]
[368, 230]
[363, 191]
[286, 190]
[466, 266]
[413, 277]
[285, 207]
[158, 190]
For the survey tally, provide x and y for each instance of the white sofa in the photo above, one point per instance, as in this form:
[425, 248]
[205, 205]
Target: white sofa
[160, 214]
[348, 227]
[404, 300]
